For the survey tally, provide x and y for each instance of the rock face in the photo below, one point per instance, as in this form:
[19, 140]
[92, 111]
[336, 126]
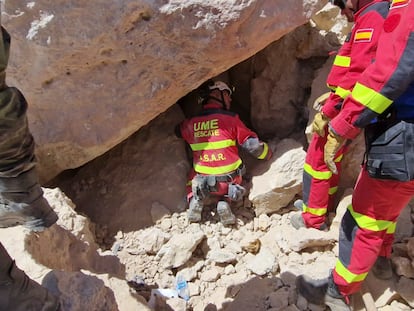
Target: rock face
[94, 73]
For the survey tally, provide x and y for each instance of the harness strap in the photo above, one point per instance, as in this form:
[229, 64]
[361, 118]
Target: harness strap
[230, 176]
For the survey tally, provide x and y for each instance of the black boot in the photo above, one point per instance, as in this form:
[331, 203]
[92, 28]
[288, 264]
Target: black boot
[321, 292]
[22, 203]
[382, 268]
[18, 292]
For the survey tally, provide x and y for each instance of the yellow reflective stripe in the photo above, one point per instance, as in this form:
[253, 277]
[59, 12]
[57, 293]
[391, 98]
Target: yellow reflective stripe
[314, 211]
[331, 87]
[370, 98]
[342, 61]
[343, 93]
[220, 170]
[391, 228]
[370, 223]
[317, 174]
[264, 153]
[348, 275]
[208, 145]
[398, 3]
[333, 190]
[339, 158]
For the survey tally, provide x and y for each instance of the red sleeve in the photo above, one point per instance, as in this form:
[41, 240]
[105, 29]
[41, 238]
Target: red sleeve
[332, 106]
[364, 41]
[243, 132]
[387, 78]
[340, 65]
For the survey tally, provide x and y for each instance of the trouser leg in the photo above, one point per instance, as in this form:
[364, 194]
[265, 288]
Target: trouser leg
[18, 292]
[366, 226]
[319, 184]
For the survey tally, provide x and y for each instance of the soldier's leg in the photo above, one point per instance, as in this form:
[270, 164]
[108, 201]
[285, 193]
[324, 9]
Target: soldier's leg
[18, 292]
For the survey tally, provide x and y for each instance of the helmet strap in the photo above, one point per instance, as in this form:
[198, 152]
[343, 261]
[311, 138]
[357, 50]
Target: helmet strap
[220, 100]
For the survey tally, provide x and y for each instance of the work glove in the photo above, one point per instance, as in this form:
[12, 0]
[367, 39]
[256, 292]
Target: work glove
[319, 123]
[320, 101]
[333, 143]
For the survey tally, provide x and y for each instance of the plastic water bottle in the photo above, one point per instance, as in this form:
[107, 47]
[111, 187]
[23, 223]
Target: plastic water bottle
[182, 288]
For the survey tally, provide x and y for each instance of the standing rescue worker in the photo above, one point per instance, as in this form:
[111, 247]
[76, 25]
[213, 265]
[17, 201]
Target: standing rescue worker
[319, 183]
[382, 102]
[21, 197]
[214, 137]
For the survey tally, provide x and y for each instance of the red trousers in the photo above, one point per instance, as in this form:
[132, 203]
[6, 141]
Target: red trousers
[319, 183]
[367, 228]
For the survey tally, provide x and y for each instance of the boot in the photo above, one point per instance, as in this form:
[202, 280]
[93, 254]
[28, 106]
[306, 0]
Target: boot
[18, 292]
[382, 268]
[22, 203]
[298, 204]
[194, 210]
[225, 213]
[321, 292]
[297, 222]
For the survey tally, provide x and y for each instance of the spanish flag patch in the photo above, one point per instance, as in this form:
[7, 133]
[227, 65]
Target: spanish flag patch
[398, 4]
[364, 35]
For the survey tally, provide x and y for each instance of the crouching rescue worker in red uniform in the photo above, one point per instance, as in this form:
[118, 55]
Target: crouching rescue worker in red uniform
[214, 137]
[382, 102]
[319, 183]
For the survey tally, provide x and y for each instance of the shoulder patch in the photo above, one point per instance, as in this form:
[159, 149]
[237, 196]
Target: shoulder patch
[396, 4]
[364, 35]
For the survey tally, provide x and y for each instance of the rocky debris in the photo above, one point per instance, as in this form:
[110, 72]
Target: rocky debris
[250, 266]
[223, 273]
[66, 260]
[237, 267]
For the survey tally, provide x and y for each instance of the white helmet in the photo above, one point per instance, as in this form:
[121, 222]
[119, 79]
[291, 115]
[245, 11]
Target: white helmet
[220, 85]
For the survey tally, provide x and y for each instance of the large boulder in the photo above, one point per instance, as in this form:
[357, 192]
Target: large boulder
[95, 72]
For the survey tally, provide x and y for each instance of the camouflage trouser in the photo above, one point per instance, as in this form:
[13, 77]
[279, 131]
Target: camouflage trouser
[18, 292]
[22, 203]
[16, 141]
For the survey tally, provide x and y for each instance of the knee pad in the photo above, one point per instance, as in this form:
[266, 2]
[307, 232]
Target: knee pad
[236, 192]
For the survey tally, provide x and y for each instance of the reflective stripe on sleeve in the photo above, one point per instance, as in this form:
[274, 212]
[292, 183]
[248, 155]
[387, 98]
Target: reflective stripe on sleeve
[370, 98]
[333, 190]
[342, 61]
[264, 153]
[343, 93]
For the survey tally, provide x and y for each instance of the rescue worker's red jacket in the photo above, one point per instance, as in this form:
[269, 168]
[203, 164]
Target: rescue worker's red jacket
[214, 136]
[356, 54]
[387, 78]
